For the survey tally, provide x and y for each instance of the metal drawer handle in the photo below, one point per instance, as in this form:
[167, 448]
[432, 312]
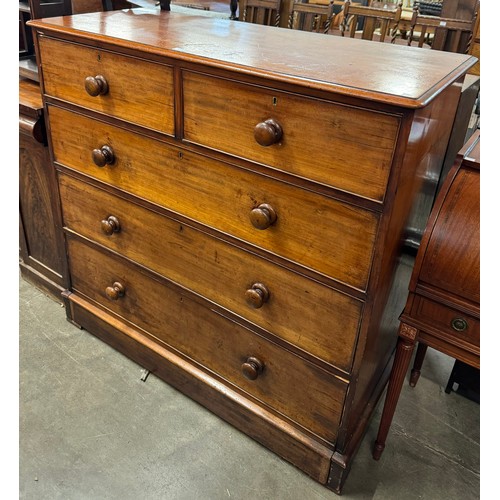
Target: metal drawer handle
[459, 324]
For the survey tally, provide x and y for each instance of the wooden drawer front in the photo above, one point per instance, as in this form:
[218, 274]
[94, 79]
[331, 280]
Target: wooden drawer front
[299, 310]
[320, 233]
[443, 318]
[340, 146]
[140, 92]
[288, 383]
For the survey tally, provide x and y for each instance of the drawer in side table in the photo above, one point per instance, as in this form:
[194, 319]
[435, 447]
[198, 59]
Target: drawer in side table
[301, 311]
[227, 198]
[135, 90]
[341, 146]
[290, 385]
[450, 323]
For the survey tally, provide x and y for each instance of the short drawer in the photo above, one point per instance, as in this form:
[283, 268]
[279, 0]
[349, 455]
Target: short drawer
[454, 324]
[285, 382]
[316, 318]
[315, 231]
[345, 147]
[138, 91]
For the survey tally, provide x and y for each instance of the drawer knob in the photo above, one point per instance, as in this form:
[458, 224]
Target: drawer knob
[263, 216]
[115, 291]
[268, 132]
[96, 85]
[459, 324]
[252, 368]
[257, 295]
[103, 156]
[110, 225]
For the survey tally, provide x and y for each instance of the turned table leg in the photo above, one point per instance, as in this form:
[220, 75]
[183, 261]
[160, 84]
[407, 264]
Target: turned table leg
[417, 365]
[404, 350]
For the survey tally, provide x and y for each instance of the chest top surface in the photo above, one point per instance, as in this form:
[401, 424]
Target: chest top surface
[391, 74]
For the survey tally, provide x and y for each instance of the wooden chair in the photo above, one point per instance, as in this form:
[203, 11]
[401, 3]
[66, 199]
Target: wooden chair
[307, 16]
[375, 22]
[265, 12]
[423, 31]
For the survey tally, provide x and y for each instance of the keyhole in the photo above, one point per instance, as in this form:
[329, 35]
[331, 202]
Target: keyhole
[275, 101]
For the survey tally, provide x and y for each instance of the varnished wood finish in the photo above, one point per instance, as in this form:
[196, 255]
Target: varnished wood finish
[310, 16]
[217, 114]
[225, 197]
[253, 255]
[147, 99]
[442, 310]
[206, 264]
[287, 384]
[191, 39]
[40, 240]
[452, 32]
[371, 22]
[266, 12]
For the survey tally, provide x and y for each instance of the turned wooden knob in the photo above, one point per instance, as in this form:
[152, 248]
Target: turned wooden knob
[263, 216]
[257, 295]
[110, 225]
[268, 132]
[115, 291]
[252, 368]
[96, 85]
[103, 156]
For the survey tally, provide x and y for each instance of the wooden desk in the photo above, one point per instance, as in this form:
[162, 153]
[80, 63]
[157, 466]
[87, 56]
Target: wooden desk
[442, 310]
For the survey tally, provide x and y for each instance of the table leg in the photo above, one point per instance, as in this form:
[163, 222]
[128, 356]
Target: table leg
[233, 6]
[417, 365]
[404, 350]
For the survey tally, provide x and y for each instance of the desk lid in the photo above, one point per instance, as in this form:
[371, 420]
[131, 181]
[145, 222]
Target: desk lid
[382, 72]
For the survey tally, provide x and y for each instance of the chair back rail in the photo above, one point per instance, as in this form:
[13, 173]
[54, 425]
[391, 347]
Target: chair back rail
[423, 26]
[379, 20]
[266, 12]
[308, 16]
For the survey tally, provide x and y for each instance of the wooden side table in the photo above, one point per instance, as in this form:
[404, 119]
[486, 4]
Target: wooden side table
[442, 310]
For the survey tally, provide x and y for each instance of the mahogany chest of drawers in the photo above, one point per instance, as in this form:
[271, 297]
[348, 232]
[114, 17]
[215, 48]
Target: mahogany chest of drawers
[235, 209]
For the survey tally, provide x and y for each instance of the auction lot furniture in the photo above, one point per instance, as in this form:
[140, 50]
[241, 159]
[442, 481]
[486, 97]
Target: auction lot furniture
[442, 310]
[235, 221]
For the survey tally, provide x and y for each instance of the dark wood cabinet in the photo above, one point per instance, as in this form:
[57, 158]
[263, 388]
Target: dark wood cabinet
[235, 222]
[442, 310]
[40, 237]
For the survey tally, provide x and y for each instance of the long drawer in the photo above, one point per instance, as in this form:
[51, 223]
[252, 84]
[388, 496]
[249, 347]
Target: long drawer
[341, 146]
[285, 382]
[223, 197]
[138, 91]
[299, 310]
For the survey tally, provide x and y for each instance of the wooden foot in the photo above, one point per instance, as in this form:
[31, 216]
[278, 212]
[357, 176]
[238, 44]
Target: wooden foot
[417, 365]
[404, 350]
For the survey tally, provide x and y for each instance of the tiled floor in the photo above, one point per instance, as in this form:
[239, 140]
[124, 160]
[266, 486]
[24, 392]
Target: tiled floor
[90, 429]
